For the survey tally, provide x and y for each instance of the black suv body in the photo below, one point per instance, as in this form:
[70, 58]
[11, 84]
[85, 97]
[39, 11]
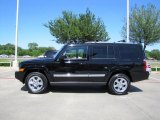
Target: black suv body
[112, 64]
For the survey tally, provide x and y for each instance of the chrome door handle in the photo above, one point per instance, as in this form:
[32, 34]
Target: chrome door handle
[105, 67]
[82, 63]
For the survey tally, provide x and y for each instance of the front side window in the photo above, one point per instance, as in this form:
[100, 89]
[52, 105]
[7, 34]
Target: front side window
[76, 52]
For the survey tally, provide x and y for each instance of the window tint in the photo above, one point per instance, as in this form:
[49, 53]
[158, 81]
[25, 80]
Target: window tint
[76, 53]
[99, 52]
[130, 52]
[81, 53]
[50, 54]
[71, 53]
[111, 53]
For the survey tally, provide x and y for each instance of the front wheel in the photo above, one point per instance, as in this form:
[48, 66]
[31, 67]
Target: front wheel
[36, 82]
[119, 84]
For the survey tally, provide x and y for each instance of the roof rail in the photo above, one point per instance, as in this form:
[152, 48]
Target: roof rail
[97, 42]
[122, 41]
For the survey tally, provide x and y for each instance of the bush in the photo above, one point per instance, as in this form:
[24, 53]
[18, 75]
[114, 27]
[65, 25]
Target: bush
[5, 64]
[154, 69]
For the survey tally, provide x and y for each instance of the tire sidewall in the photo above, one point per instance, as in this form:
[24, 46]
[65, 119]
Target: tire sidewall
[44, 79]
[111, 84]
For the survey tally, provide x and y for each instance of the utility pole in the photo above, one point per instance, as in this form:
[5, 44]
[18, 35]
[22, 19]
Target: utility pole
[15, 62]
[128, 21]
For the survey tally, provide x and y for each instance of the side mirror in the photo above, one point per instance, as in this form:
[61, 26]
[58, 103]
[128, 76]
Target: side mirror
[61, 58]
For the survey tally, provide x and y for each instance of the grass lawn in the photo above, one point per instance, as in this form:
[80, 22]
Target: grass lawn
[7, 60]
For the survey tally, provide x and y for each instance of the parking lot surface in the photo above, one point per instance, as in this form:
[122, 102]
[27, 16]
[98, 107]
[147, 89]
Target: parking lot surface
[78, 102]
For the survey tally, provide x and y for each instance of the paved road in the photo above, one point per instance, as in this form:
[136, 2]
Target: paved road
[78, 102]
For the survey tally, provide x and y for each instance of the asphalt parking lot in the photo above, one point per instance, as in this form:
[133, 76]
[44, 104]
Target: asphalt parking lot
[78, 102]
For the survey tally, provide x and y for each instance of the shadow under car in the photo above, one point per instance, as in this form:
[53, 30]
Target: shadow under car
[82, 89]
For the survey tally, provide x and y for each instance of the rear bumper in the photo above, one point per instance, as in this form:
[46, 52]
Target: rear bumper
[138, 76]
[19, 76]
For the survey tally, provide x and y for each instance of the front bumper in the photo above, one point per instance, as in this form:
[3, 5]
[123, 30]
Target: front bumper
[19, 76]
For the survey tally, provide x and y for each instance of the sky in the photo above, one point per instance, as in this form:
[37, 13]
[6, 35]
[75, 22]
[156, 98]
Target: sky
[33, 14]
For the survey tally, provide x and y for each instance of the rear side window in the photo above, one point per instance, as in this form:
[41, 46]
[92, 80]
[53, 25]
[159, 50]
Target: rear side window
[99, 52]
[130, 52]
[111, 52]
[103, 52]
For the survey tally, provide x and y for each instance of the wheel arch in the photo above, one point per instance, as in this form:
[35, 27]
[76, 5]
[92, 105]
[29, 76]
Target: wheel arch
[127, 73]
[40, 70]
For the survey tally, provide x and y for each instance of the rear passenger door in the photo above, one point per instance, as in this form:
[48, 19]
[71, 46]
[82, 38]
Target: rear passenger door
[101, 61]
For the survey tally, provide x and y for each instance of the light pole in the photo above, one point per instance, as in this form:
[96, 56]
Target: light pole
[15, 62]
[128, 21]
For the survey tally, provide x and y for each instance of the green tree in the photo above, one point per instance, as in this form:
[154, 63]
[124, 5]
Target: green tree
[32, 46]
[78, 28]
[155, 54]
[144, 25]
[147, 53]
[22, 52]
[7, 49]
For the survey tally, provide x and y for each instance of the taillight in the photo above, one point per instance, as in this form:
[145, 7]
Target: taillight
[145, 65]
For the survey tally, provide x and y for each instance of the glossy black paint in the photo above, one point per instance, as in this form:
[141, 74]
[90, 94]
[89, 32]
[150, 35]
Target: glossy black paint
[89, 70]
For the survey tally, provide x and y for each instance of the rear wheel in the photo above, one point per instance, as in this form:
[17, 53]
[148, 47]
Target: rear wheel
[119, 84]
[36, 83]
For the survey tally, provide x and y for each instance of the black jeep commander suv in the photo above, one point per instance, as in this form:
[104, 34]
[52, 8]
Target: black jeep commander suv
[114, 64]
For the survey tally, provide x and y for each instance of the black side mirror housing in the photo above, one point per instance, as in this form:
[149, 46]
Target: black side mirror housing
[61, 58]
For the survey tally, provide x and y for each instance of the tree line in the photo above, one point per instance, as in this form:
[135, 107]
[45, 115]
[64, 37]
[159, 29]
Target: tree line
[33, 49]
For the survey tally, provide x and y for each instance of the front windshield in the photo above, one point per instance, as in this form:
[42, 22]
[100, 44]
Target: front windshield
[58, 52]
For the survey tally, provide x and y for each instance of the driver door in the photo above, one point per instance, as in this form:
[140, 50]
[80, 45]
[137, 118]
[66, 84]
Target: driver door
[72, 66]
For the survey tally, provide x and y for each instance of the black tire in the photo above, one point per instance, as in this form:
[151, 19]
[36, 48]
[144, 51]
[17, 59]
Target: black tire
[119, 84]
[40, 83]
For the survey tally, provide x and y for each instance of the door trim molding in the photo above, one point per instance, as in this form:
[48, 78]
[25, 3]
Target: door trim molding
[96, 75]
[78, 75]
[70, 75]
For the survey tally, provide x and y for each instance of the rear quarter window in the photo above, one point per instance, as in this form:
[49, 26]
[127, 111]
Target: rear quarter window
[130, 52]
